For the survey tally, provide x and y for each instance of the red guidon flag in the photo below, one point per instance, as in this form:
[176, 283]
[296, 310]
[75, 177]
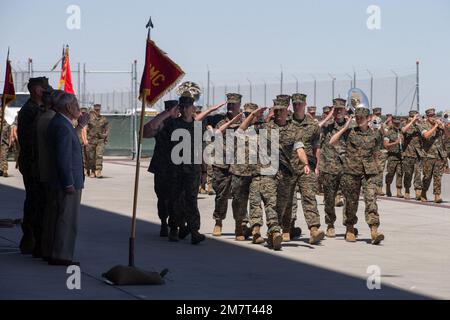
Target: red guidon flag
[160, 74]
[9, 94]
[65, 81]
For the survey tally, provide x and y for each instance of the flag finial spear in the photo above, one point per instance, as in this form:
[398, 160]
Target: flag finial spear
[149, 26]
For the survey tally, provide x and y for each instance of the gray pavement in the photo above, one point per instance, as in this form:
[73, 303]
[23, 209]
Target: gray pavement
[414, 260]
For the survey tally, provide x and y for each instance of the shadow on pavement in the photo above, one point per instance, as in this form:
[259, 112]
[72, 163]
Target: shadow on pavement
[212, 270]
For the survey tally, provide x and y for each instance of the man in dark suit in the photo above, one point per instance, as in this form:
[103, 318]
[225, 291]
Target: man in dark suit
[69, 178]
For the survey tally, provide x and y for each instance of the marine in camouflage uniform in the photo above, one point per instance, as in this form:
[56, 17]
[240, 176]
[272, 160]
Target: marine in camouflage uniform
[4, 145]
[270, 182]
[412, 155]
[376, 124]
[97, 137]
[307, 183]
[393, 143]
[221, 171]
[331, 164]
[361, 163]
[435, 155]
[241, 180]
[325, 112]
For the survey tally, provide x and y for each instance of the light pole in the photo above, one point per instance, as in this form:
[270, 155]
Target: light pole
[333, 81]
[251, 90]
[351, 80]
[315, 89]
[296, 83]
[371, 89]
[396, 91]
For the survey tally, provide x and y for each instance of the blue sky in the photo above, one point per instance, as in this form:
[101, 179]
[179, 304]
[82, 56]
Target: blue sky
[247, 38]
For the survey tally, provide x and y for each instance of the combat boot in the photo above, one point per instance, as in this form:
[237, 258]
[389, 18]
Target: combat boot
[197, 237]
[183, 233]
[399, 193]
[295, 232]
[5, 174]
[377, 237]
[92, 174]
[98, 173]
[286, 237]
[423, 196]
[380, 192]
[316, 235]
[407, 195]
[276, 241]
[173, 235]
[164, 231]
[217, 232]
[437, 198]
[350, 234]
[210, 190]
[331, 232]
[418, 194]
[256, 234]
[338, 202]
[239, 231]
[388, 191]
[201, 190]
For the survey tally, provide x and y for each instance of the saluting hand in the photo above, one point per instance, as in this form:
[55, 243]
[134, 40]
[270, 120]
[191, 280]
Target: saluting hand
[218, 106]
[307, 169]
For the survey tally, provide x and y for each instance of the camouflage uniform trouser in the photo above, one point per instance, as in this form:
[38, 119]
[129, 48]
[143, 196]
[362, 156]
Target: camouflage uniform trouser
[222, 187]
[184, 192]
[4, 158]
[331, 187]
[394, 168]
[95, 151]
[351, 187]
[285, 195]
[432, 168]
[264, 189]
[240, 189]
[412, 166]
[307, 186]
[382, 162]
[162, 185]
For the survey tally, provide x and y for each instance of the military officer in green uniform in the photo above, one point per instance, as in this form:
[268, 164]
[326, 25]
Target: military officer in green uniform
[97, 133]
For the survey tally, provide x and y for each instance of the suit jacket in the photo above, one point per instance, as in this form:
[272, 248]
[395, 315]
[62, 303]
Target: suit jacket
[65, 149]
[45, 162]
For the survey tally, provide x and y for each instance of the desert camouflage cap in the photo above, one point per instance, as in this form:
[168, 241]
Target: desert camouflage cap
[362, 112]
[396, 119]
[412, 113]
[299, 98]
[284, 97]
[279, 104]
[250, 107]
[377, 110]
[430, 112]
[339, 103]
[326, 109]
[312, 109]
[234, 98]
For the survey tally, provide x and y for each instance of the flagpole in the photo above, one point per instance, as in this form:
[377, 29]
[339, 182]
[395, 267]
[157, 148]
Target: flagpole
[3, 107]
[138, 167]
